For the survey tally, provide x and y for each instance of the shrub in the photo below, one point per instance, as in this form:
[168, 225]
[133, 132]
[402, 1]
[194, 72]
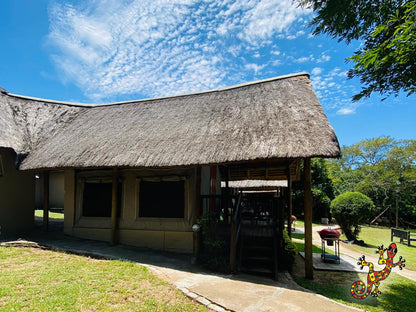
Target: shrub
[215, 245]
[350, 209]
[288, 254]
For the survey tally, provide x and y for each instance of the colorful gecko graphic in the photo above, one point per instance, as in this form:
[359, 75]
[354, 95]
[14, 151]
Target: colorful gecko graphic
[358, 289]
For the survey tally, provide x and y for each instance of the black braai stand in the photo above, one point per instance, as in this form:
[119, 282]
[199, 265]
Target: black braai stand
[330, 241]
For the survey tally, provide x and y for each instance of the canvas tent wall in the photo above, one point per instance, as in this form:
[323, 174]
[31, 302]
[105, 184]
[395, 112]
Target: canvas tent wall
[17, 195]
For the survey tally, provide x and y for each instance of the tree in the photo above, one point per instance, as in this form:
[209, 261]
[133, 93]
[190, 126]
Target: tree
[384, 169]
[350, 209]
[387, 29]
[322, 190]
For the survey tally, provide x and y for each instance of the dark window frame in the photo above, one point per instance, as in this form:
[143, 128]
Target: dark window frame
[155, 195]
[97, 204]
[97, 177]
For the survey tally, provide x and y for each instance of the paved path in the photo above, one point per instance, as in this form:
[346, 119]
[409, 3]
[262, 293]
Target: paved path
[240, 292]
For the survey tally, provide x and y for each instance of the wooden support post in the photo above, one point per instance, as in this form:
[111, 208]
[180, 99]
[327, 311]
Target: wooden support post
[197, 213]
[114, 208]
[69, 201]
[46, 201]
[197, 194]
[281, 217]
[233, 246]
[308, 217]
[212, 187]
[228, 208]
[289, 199]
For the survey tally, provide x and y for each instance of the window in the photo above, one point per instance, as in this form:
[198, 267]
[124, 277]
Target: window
[162, 199]
[96, 200]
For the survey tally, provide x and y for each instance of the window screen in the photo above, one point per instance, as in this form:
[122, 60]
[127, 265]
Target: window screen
[97, 199]
[164, 199]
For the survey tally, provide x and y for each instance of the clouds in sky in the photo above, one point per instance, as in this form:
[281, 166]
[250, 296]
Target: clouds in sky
[165, 47]
[151, 48]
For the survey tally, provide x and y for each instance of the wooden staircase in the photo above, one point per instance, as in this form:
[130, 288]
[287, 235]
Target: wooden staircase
[257, 252]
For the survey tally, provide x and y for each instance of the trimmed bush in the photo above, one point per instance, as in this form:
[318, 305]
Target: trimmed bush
[288, 254]
[350, 209]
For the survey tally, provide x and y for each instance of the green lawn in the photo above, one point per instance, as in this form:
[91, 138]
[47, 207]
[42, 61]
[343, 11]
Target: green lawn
[376, 236]
[32, 279]
[397, 291]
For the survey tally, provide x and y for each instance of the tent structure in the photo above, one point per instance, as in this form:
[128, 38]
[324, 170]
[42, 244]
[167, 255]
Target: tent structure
[178, 147]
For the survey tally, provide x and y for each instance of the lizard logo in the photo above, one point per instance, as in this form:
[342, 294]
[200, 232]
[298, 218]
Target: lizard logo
[358, 288]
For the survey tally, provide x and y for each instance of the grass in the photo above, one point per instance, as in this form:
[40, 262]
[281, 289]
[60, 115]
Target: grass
[376, 236]
[301, 247]
[33, 279]
[52, 215]
[397, 291]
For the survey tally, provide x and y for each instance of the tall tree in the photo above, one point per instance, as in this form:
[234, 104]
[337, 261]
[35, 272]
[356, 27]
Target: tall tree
[383, 169]
[322, 190]
[387, 29]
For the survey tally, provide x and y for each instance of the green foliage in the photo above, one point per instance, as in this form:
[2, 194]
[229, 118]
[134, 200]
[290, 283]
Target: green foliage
[383, 169]
[320, 203]
[212, 237]
[323, 190]
[288, 254]
[350, 209]
[214, 253]
[385, 61]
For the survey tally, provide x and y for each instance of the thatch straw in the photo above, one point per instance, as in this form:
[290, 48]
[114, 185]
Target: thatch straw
[266, 120]
[25, 122]
[256, 184]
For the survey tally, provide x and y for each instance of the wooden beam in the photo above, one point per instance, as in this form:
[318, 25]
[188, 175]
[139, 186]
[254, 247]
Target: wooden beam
[289, 199]
[307, 189]
[212, 187]
[198, 194]
[46, 201]
[70, 192]
[114, 208]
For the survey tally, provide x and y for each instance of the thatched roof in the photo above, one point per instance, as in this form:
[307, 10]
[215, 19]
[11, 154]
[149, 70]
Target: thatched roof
[264, 120]
[252, 185]
[25, 122]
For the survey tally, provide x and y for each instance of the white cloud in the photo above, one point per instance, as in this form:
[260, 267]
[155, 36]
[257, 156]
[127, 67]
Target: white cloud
[303, 59]
[323, 58]
[254, 67]
[316, 71]
[346, 111]
[164, 47]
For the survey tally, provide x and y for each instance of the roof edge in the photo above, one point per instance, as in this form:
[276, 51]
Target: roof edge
[90, 105]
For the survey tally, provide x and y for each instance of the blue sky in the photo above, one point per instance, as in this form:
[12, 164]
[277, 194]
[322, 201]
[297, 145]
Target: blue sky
[114, 50]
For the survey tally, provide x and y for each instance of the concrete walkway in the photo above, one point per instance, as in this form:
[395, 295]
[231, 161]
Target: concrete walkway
[218, 292]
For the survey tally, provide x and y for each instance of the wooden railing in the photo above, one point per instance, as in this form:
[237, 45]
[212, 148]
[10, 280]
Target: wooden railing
[235, 233]
[222, 206]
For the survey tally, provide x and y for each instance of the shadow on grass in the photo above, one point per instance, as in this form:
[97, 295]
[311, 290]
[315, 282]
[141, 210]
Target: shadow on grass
[398, 293]
[399, 297]
[373, 247]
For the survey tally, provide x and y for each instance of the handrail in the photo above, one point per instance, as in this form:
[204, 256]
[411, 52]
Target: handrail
[235, 233]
